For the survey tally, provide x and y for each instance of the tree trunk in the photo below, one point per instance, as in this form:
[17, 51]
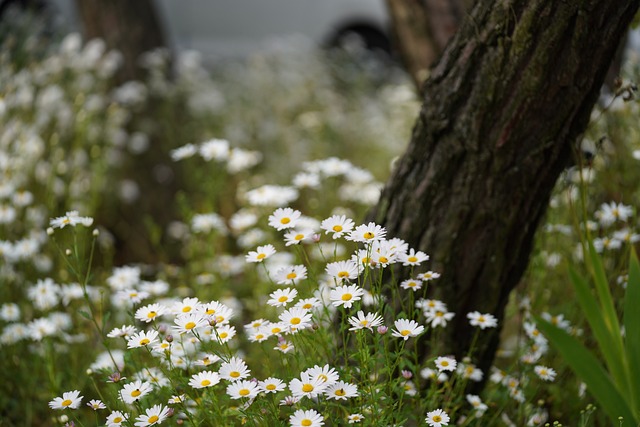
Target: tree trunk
[131, 27]
[502, 112]
[422, 29]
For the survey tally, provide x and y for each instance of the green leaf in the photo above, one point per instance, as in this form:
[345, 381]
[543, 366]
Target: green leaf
[84, 314]
[632, 329]
[604, 295]
[588, 369]
[613, 357]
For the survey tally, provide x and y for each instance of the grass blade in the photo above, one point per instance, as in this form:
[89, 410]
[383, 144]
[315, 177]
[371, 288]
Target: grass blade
[632, 328]
[588, 369]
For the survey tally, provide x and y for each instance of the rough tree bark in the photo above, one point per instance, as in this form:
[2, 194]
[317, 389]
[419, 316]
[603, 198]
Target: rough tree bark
[422, 29]
[131, 27]
[502, 111]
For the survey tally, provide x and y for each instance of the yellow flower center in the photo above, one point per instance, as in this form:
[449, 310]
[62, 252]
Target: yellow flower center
[412, 259]
[307, 306]
[340, 392]
[283, 298]
[190, 325]
[117, 420]
[439, 314]
[152, 314]
[259, 336]
[210, 311]
[437, 418]
[299, 237]
[481, 319]
[337, 228]
[412, 284]
[144, 341]
[405, 332]
[261, 256]
[346, 297]
[343, 274]
[291, 276]
[186, 309]
[364, 322]
[271, 387]
[152, 419]
[244, 392]
[234, 374]
[205, 383]
[66, 402]
[66, 221]
[323, 377]
[278, 330]
[307, 388]
[384, 259]
[295, 321]
[444, 363]
[223, 335]
[368, 235]
[285, 220]
[306, 422]
[136, 393]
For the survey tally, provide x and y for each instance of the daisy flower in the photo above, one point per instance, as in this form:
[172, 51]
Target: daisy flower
[341, 391]
[282, 297]
[289, 275]
[343, 271]
[124, 331]
[181, 398]
[437, 418]
[116, 418]
[337, 225]
[295, 237]
[355, 418]
[308, 303]
[284, 346]
[309, 418]
[346, 295]
[295, 319]
[544, 373]
[189, 323]
[438, 317]
[96, 404]
[413, 258]
[234, 370]
[428, 275]
[278, 328]
[223, 333]
[283, 218]
[413, 284]
[154, 415]
[69, 399]
[135, 390]
[150, 312]
[272, 385]
[216, 312]
[362, 321]
[482, 320]
[326, 373]
[206, 360]
[259, 335]
[243, 389]
[71, 218]
[477, 404]
[470, 371]
[260, 254]
[307, 386]
[204, 379]
[142, 339]
[406, 329]
[367, 233]
[446, 364]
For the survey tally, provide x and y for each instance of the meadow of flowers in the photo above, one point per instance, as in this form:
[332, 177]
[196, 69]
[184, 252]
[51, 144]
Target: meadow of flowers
[190, 250]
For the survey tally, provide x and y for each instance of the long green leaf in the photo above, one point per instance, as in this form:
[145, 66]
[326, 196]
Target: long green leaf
[606, 342]
[604, 295]
[588, 369]
[632, 329]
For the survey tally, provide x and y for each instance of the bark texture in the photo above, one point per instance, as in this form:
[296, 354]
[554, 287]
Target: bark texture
[131, 27]
[422, 29]
[502, 110]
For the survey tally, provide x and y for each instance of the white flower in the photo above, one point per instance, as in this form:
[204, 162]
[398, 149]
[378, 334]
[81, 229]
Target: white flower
[135, 391]
[343, 271]
[337, 225]
[362, 321]
[346, 295]
[482, 320]
[309, 418]
[69, 399]
[544, 373]
[446, 364]
[260, 254]
[367, 233]
[243, 389]
[437, 418]
[204, 379]
[283, 218]
[282, 297]
[72, 219]
[406, 329]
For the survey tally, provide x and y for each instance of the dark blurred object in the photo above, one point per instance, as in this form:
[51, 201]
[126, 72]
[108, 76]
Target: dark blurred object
[131, 27]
